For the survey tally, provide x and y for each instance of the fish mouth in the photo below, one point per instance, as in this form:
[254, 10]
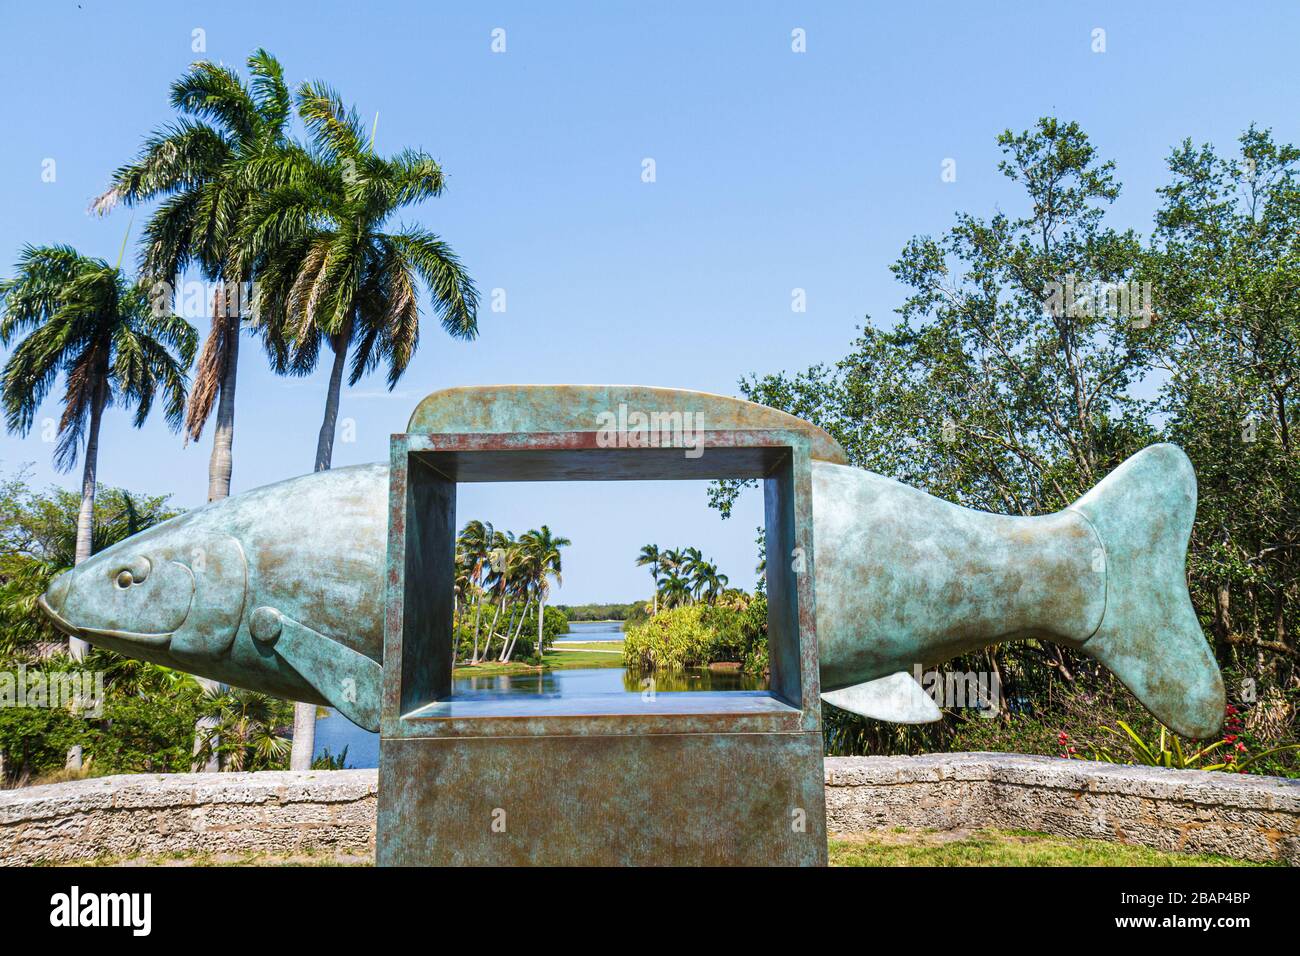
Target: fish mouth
[161, 641]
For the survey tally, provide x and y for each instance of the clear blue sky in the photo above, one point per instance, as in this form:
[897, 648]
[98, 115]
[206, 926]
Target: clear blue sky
[775, 171]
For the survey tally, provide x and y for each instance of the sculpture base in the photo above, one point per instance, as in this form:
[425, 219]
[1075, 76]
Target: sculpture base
[609, 800]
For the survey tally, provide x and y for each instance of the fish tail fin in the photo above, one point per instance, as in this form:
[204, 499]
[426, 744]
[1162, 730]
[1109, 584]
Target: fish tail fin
[1149, 636]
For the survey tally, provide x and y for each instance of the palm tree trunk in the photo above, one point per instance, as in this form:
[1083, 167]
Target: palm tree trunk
[541, 608]
[505, 635]
[86, 524]
[220, 467]
[221, 464]
[325, 442]
[478, 617]
[304, 715]
[487, 641]
[509, 651]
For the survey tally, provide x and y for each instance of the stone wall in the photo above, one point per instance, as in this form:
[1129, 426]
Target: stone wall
[164, 814]
[1255, 818]
[1250, 818]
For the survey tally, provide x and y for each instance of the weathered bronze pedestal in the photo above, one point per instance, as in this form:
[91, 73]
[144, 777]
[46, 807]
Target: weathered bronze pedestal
[643, 779]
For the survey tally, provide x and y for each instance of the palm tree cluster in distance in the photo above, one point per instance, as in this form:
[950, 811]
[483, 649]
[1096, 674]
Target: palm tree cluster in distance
[304, 225]
[504, 572]
[681, 576]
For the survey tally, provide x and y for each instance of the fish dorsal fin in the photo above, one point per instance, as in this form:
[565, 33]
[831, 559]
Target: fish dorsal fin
[897, 698]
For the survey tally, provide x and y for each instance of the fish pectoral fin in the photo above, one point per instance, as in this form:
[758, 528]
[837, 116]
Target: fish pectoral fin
[350, 681]
[897, 698]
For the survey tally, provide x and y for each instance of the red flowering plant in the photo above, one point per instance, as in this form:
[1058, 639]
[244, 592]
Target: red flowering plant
[1230, 754]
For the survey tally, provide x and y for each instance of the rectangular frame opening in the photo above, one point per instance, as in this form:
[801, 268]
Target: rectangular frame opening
[419, 624]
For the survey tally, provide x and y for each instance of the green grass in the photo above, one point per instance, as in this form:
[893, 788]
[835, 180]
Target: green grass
[1002, 848]
[552, 660]
[612, 646]
[881, 848]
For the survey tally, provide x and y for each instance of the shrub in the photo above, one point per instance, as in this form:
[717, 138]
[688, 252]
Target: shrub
[700, 634]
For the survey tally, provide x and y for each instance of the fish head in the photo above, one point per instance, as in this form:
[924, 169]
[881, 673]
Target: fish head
[173, 595]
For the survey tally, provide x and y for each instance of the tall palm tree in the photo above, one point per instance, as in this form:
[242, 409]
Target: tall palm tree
[650, 555]
[199, 167]
[506, 560]
[510, 583]
[330, 273]
[542, 550]
[85, 320]
[475, 544]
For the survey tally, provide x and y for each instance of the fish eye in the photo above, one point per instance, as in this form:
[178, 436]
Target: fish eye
[133, 573]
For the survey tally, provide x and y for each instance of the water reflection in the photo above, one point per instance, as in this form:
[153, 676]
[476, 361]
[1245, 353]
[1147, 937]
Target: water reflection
[581, 682]
[335, 732]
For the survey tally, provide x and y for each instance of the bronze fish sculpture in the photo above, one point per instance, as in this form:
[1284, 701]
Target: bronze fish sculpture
[281, 589]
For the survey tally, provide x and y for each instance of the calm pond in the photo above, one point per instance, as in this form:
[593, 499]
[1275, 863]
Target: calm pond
[333, 733]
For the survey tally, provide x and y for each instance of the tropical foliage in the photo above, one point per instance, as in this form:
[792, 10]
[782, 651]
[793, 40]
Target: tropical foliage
[199, 169]
[501, 582]
[682, 577]
[695, 635]
[995, 390]
[85, 321]
[150, 712]
[599, 612]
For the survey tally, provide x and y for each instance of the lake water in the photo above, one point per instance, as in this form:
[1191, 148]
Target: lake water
[592, 631]
[335, 732]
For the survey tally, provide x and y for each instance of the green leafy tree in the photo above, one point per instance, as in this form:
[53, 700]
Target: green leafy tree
[474, 545]
[1226, 262]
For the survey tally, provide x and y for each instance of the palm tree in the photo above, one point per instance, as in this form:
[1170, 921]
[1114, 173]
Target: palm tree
[675, 589]
[475, 544]
[200, 167]
[330, 273]
[691, 566]
[102, 333]
[713, 583]
[543, 554]
[650, 555]
[504, 560]
[248, 726]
